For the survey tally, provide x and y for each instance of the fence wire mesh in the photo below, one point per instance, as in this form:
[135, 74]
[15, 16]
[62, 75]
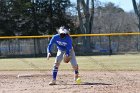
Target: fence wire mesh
[83, 45]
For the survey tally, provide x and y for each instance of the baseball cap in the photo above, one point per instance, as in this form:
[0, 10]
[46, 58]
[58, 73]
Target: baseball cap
[63, 30]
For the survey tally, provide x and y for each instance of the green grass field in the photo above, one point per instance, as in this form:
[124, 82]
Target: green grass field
[105, 63]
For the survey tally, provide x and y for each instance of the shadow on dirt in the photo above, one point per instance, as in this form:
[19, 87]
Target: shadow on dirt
[87, 83]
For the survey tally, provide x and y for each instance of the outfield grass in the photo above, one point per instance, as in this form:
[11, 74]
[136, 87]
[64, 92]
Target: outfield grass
[114, 62]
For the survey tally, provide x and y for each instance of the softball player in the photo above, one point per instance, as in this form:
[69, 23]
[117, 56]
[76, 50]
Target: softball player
[65, 51]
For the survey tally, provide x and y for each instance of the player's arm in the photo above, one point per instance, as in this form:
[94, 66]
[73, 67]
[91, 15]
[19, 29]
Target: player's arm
[49, 47]
[67, 56]
[69, 47]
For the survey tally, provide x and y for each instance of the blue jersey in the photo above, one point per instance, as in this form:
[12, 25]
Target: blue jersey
[64, 44]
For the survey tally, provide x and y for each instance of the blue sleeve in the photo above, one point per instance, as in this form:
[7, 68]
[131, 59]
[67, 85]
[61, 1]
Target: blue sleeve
[50, 44]
[69, 47]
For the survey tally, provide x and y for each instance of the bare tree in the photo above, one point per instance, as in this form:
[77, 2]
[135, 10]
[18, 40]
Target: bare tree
[137, 11]
[86, 16]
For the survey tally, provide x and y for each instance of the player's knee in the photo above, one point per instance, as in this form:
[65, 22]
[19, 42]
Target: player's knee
[56, 64]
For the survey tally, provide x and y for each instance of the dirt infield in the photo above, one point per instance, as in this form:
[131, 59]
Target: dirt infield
[92, 82]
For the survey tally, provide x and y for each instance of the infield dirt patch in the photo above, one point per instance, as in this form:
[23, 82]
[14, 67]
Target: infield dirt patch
[92, 82]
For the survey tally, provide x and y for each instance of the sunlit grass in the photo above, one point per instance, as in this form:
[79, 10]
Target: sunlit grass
[105, 63]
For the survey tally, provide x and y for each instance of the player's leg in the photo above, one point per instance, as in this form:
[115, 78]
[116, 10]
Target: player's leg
[54, 74]
[74, 64]
[76, 72]
[58, 60]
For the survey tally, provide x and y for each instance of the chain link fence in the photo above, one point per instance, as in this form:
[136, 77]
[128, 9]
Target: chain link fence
[37, 47]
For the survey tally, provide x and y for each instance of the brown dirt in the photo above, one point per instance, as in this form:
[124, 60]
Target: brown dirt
[92, 82]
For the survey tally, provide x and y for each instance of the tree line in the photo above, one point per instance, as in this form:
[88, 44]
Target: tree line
[33, 17]
[42, 17]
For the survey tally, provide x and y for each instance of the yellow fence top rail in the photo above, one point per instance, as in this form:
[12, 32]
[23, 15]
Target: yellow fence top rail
[76, 35]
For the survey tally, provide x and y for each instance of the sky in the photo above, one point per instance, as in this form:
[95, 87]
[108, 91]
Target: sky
[126, 5]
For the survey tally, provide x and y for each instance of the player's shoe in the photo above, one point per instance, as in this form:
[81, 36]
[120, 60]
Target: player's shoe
[53, 82]
[75, 77]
